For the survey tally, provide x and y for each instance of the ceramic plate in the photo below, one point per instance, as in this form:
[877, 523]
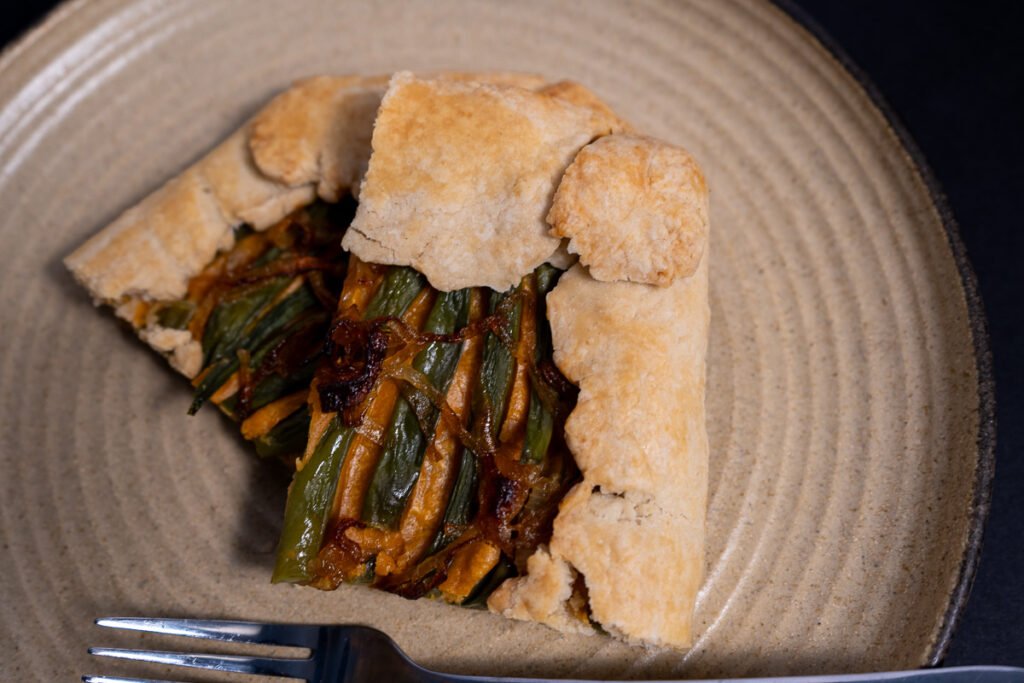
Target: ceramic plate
[848, 409]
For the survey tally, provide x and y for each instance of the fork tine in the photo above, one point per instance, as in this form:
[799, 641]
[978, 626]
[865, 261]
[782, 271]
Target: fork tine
[272, 666]
[291, 635]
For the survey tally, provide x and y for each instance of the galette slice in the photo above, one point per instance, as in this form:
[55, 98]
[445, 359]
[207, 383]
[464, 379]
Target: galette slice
[471, 416]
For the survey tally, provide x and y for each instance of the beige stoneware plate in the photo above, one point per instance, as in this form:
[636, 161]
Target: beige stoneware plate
[850, 444]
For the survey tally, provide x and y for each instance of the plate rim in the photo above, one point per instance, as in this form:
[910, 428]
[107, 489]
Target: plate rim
[981, 497]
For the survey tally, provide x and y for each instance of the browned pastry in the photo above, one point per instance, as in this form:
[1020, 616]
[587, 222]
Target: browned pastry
[461, 177]
[634, 208]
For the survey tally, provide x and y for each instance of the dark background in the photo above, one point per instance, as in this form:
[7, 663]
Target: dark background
[953, 73]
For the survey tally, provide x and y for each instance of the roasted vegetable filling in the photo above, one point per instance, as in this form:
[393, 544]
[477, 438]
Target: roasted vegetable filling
[429, 424]
[436, 457]
[261, 311]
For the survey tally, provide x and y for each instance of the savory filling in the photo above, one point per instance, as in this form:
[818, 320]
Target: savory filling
[432, 453]
[436, 459]
[261, 311]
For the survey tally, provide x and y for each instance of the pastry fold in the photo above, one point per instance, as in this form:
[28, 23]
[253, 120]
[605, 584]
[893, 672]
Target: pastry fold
[634, 527]
[461, 177]
[312, 139]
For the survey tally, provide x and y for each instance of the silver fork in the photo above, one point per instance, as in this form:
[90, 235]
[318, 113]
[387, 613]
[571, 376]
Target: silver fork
[359, 654]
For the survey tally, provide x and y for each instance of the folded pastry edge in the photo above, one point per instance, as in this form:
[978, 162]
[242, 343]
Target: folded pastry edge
[633, 529]
[310, 139]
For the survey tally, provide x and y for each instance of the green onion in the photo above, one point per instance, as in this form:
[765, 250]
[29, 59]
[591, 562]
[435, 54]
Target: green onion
[462, 504]
[400, 287]
[309, 502]
[259, 337]
[311, 494]
[539, 426]
[494, 578]
[175, 315]
[499, 364]
[540, 421]
[287, 438]
[224, 333]
[399, 464]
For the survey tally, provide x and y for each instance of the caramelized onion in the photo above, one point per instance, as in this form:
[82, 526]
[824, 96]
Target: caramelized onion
[419, 383]
[245, 384]
[286, 265]
[355, 352]
[288, 357]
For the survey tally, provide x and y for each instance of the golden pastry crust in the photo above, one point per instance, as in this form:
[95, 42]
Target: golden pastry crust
[184, 353]
[542, 595]
[461, 177]
[318, 131]
[582, 96]
[634, 527]
[561, 258]
[313, 138]
[153, 248]
[634, 208]
[242, 193]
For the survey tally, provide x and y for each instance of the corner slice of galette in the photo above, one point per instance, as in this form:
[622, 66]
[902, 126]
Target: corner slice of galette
[472, 311]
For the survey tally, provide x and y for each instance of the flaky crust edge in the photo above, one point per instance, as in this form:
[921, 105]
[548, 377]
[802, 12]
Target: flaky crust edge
[634, 527]
[311, 139]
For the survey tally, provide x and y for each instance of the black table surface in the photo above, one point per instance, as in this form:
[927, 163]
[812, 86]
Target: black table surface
[953, 73]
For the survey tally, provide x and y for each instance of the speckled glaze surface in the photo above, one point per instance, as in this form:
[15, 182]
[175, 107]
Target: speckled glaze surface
[843, 389]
